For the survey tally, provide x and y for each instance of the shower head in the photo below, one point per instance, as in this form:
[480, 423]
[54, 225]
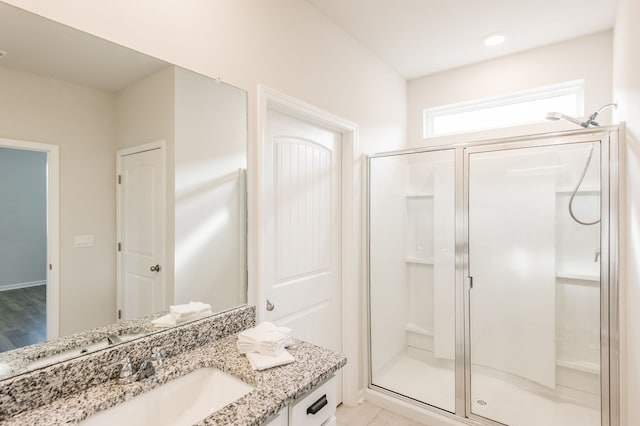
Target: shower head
[589, 121]
[558, 115]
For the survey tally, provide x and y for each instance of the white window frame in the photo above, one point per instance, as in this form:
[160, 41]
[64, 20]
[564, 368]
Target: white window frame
[546, 92]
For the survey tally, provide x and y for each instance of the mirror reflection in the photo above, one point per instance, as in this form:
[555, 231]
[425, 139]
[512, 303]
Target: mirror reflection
[123, 186]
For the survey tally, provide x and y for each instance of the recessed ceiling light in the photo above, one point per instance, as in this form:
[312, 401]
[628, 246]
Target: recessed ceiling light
[494, 39]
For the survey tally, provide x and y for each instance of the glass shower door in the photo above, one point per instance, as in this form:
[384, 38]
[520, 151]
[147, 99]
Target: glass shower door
[412, 276]
[534, 296]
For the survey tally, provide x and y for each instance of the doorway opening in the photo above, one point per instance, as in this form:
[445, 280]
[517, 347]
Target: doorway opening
[28, 243]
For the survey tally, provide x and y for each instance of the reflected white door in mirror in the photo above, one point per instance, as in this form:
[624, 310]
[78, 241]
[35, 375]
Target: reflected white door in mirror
[141, 188]
[28, 243]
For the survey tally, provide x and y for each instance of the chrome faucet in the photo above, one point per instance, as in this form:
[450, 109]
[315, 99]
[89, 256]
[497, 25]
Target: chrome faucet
[113, 339]
[152, 367]
[145, 370]
[126, 371]
[157, 359]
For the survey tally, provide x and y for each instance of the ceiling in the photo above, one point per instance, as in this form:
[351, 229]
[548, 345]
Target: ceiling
[43, 47]
[421, 37]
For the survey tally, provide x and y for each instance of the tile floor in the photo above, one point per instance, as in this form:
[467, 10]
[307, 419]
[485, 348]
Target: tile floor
[369, 414]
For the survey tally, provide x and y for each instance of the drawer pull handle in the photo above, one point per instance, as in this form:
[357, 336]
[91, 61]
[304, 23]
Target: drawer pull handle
[318, 405]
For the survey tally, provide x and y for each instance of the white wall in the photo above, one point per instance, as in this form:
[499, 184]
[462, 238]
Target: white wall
[23, 217]
[81, 122]
[145, 112]
[587, 58]
[210, 150]
[626, 86]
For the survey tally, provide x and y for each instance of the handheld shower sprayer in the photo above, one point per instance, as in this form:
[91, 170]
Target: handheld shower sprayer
[558, 115]
[589, 121]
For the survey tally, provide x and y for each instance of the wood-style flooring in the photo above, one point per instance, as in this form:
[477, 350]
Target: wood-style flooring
[23, 319]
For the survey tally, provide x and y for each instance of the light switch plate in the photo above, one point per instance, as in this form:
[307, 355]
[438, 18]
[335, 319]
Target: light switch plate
[86, 240]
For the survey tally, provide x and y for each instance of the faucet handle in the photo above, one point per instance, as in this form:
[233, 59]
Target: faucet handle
[157, 358]
[126, 370]
[159, 352]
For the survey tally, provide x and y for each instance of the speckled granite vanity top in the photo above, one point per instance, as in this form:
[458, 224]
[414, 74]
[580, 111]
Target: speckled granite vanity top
[274, 388]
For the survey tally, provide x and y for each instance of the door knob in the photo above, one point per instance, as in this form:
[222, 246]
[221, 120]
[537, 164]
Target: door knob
[155, 268]
[270, 306]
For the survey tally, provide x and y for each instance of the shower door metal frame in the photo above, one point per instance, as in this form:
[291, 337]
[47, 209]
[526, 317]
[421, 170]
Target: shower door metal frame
[609, 137]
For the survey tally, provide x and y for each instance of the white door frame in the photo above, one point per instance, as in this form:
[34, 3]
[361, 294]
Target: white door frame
[53, 227]
[159, 144]
[269, 99]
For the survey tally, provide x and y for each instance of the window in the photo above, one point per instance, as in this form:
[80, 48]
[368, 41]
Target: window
[514, 109]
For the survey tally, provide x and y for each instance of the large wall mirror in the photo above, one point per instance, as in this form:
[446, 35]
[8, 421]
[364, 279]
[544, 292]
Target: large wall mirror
[149, 187]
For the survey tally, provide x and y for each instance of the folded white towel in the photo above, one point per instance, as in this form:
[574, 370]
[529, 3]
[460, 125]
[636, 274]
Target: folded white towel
[263, 362]
[265, 332]
[169, 321]
[164, 321]
[266, 338]
[188, 310]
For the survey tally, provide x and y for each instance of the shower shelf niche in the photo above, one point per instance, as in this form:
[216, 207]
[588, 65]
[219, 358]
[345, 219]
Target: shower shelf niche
[418, 195]
[584, 190]
[583, 366]
[418, 330]
[585, 279]
[426, 261]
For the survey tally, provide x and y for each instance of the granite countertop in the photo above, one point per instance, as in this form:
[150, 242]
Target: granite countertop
[275, 388]
[19, 360]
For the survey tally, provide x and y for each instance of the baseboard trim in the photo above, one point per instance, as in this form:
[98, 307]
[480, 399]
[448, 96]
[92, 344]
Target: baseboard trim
[16, 286]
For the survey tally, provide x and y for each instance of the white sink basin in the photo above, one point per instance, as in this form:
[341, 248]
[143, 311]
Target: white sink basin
[183, 401]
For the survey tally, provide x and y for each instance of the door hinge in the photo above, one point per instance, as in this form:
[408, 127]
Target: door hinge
[50, 267]
[119, 179]
[119, 314]
[119, 246]
[470, 279]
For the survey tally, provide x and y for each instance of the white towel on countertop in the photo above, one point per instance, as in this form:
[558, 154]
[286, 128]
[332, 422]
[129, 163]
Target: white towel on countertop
[266, 338]
[263, 362]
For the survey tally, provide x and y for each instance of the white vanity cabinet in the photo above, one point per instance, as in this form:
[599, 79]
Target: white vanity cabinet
[281, 419]
[315, 408]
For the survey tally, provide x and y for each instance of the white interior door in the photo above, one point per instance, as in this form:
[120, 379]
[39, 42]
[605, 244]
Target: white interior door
[302, 250]
[141, 233]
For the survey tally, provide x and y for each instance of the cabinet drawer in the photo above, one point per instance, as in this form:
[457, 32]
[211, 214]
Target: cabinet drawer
[280, 419]
[316, 407]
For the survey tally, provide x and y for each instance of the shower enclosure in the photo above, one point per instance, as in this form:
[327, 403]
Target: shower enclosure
[493, 279]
